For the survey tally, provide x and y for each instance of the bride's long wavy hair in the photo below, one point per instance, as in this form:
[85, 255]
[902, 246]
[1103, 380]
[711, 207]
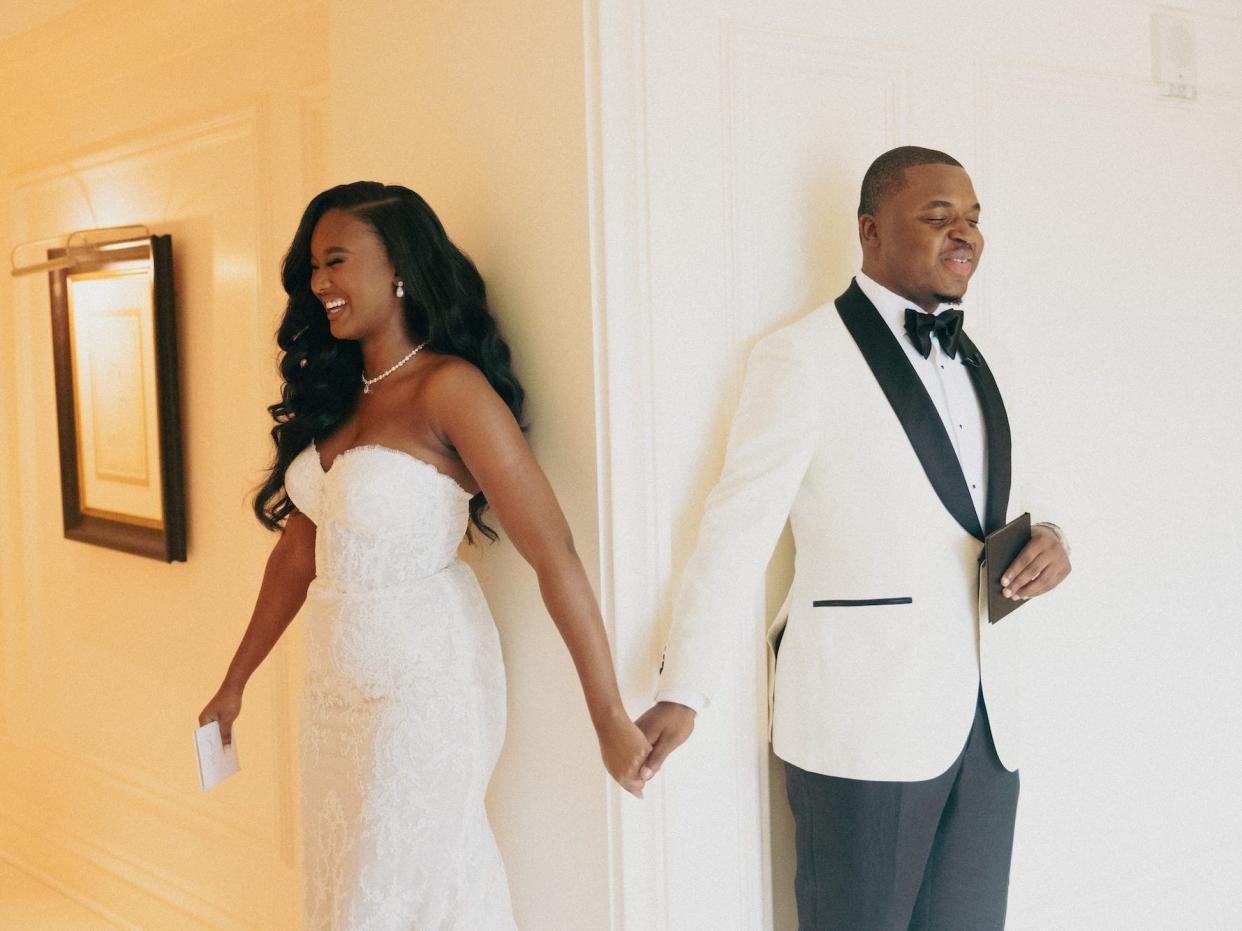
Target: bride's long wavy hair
[445, 303]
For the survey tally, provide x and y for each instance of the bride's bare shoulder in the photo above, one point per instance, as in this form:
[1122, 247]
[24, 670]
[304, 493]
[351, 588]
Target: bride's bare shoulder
[452, 378]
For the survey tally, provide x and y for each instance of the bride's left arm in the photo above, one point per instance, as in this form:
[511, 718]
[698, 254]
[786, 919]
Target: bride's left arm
[472, 419]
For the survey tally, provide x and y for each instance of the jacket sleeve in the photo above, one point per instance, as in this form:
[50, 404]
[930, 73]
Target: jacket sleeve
[774, 434]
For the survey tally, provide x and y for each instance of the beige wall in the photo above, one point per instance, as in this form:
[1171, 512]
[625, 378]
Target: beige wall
[480, 107]
[215, 122]
[191, 118]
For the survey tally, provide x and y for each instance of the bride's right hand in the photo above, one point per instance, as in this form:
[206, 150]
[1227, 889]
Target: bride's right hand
[224, 707]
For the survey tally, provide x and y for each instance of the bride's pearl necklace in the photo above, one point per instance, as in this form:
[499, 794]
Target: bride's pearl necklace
[368, 382]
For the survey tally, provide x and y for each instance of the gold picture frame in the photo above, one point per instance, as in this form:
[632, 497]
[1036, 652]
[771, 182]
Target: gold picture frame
[114, 340]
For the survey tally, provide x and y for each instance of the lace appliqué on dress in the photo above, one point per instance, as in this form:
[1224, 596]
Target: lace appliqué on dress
[403, 712]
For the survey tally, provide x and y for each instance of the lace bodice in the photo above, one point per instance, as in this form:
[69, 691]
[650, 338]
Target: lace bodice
[383, 516]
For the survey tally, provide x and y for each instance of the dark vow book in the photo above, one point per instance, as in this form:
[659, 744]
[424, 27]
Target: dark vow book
[1000, 549]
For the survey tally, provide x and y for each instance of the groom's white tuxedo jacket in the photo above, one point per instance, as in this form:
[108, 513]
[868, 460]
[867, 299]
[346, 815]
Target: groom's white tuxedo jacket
[881, 643]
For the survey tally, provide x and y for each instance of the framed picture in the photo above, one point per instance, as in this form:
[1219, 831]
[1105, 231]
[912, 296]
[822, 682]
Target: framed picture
[114, 338]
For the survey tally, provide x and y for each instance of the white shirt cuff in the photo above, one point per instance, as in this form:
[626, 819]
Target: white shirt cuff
[695, 701]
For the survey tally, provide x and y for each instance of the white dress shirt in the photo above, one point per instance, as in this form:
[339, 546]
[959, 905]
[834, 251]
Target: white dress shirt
[949, 385]
[951, 390]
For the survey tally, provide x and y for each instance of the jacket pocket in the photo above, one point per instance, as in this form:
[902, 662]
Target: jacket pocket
[860, 602]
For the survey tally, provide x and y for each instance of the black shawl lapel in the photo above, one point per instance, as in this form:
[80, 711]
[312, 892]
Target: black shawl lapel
[914, 408]
[996, 424]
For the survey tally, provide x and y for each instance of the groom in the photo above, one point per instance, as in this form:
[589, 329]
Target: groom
[875, 425]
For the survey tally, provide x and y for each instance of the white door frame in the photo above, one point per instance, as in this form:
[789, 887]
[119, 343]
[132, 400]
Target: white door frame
[650, 881]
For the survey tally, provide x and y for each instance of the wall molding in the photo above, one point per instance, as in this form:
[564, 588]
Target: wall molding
[166, 802]
[132, 146]
[145, 890]
[631, 550]
[74, 895]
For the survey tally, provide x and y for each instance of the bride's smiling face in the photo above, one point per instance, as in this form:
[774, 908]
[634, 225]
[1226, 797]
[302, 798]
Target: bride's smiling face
[352, 276]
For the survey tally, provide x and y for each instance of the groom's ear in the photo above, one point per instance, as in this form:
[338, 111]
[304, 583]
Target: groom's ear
[868, 231]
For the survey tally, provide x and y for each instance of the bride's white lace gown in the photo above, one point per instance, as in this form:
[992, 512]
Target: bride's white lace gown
[403, 712]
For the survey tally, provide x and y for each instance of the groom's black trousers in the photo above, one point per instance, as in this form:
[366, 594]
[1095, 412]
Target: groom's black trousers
[907, 856]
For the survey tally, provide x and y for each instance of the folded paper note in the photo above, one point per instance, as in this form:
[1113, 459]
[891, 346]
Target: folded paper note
[216, 762]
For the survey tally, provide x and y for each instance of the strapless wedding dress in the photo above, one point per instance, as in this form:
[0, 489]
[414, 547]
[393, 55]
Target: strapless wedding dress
[403, 713]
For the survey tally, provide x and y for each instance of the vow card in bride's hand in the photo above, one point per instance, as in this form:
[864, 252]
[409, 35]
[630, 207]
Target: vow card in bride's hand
[216, 762]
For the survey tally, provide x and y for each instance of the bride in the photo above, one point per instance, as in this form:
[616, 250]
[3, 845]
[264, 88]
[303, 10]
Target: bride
[399, 423]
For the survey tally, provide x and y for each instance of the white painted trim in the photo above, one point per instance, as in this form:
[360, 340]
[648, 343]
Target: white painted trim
[635, 560]
[629, 542]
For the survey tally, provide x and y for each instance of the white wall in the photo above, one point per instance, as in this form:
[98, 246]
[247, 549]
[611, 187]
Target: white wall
[734, 136]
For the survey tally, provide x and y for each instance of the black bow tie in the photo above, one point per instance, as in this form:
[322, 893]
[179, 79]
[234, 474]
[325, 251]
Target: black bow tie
[947, 325]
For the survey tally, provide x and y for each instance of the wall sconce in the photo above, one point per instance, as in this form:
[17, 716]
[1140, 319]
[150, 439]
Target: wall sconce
[80, 246]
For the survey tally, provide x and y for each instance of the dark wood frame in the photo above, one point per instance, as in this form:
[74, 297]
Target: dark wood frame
[169, 542]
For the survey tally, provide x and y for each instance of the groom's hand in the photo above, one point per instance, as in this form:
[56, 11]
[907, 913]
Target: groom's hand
[666, 725]
[1042, 565]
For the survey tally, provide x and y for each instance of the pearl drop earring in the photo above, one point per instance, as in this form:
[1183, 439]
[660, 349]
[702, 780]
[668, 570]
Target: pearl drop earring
[400, 288]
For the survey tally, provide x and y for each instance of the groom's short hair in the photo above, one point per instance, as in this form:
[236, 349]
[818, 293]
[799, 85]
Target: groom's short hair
[887, 174]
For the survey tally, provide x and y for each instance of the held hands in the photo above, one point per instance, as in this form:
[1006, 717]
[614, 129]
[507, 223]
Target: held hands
[624, 749]
[224, 707]
[1042, 565]
[666, 725]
